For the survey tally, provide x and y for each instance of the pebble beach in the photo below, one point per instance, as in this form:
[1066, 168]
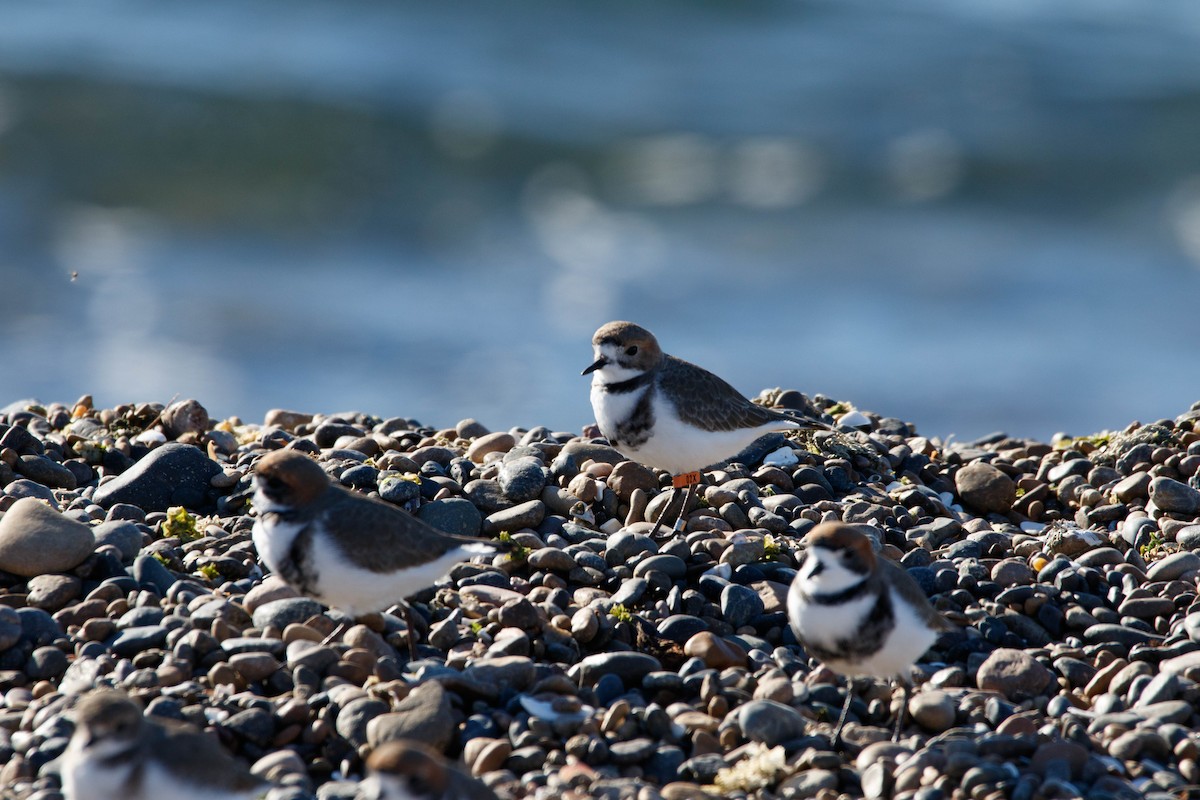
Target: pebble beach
[593, 660]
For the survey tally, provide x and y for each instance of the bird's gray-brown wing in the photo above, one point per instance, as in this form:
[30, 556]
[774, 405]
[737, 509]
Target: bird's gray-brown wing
[711, 402]
[912, 592]
[199, 759]
[385, 538]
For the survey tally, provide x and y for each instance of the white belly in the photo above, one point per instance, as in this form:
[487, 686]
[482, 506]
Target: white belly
[824, 626]
[358, 591]
[88, 780]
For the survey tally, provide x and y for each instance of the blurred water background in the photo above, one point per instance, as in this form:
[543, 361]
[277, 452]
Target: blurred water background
[971, 214]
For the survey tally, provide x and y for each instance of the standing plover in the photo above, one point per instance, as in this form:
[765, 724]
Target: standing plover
[859, 613]
[670, 414]
[346, 550]
[115, 752]
[408, 770]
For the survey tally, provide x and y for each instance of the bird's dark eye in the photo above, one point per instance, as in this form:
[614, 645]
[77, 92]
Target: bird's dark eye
[274, 482]
[631, 350]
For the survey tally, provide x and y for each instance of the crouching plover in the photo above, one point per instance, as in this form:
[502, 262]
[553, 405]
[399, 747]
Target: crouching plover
[859, 613]
[346, 550]
[115, 752]
[407, 770]
[669, 414]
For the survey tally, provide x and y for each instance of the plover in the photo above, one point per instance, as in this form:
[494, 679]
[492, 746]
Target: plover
[669, 414]
[116, 752]
[349, 551]
[859, 613]
[408, 770]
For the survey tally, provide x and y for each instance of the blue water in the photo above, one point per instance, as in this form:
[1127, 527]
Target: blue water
[971, 215]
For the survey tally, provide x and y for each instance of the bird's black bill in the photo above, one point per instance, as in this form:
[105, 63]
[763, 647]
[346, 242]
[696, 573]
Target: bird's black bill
[597, 364]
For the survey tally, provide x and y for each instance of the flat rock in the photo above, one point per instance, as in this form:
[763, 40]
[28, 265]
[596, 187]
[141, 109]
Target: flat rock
[1173, 566]
[984, 487]
[174, 474]
[1014, 674]
[630, 667]
[425, 715]
[453, 515]
[35, 540]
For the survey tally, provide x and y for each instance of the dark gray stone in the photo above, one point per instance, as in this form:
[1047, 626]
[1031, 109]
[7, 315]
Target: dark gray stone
[45, 471]
[740, 604]
[149, 570]
[452, 515]
[121, 534]
[172, 475]
[770, 722]
[522, 479]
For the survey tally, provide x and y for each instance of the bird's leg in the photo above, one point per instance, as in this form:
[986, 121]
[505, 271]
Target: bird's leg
[663, 515]
[687, 498]
[412, 630]
[341, 628]
[904, 690]
[837, 729]
[688, 479]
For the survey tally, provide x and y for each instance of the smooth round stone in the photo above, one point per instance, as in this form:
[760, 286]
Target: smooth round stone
[53, 592]
[769, 722]
[1188, 537]
[310, 654]
[1101, 557]
[633, 751]
[715, 651]
[499, 442]
[985, 487]
[488, 756]
[551, 558]
[1147, 607]
[36, 539]
[1162, 687]
[672, 566]
[46, 663]
[352, 720]
[121, 534]
[397, 489]
[253, 725]
[455, 515]
[522, 479]
[740, 604]
[506, 673]
[630, 667]
[25, 488]
[132, 641]
[1173, 566]
[681, 627]
[522, 515]
[1108, 632]
[1173, 496]
[628, 476]
[933, 710]
[45, 471]
[254, 666]
[174, 474]
[624, 545]
[279, 614]
[425, 715]
[631, 591]
[1012, 572]
[1014, 674]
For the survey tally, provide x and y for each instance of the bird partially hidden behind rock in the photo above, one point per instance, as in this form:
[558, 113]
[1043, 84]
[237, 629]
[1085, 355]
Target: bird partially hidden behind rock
[116, 753]
[859, 613]
[408, 770]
